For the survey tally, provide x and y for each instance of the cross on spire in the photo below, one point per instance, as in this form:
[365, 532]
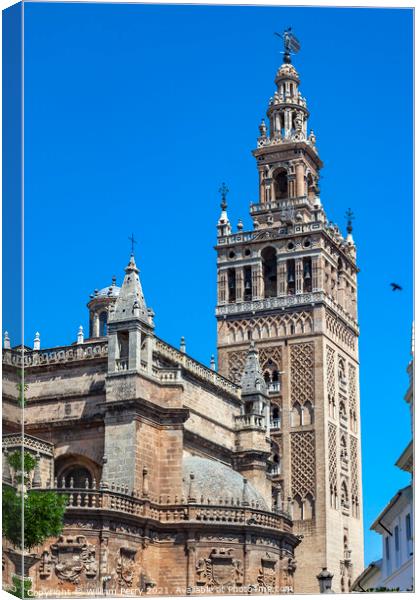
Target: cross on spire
[223, 191]
[133, 241]
[350, 218]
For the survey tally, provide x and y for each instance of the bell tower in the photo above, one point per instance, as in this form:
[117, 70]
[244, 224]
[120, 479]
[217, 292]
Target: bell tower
[289, 285]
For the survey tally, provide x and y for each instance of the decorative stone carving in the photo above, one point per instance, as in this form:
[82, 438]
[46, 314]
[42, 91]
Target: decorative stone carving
[267, 574]
[126, 566]
[73, 556]
[288, 568]
[45, 566]
[220, 569]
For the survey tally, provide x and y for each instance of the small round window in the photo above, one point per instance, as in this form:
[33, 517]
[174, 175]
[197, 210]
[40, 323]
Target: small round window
[231, 254]
[290, 246]
[247, 252]
[307, 243]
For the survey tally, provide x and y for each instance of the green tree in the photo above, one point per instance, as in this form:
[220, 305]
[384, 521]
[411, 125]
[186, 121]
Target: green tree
[43, 515]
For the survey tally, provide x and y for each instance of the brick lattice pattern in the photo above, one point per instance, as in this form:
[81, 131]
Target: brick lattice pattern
[303, 463]
[302, 376]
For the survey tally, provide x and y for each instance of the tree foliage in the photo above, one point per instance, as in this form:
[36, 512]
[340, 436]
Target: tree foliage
[43, 514]
[15, 461]
[21, 588]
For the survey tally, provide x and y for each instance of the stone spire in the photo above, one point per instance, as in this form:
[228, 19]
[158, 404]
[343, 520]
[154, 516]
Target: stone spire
[6, 341]
[130, 302]
[37, 341]
[223, 224]
[252, 378]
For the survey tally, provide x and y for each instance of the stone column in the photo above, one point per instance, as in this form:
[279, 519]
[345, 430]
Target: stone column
[287, 123]
[112, 352]
[96, 325]
[315, 274]
[262, 187]
[222, 287]
[260, 281]
[239, 278]
[191, 560]
[134, 347]
[341, 290]
[299, 275]
[282, 278]
[300, 179]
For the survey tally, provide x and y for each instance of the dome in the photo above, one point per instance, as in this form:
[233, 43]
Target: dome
[215, 480]
[287, 71]
[112, 291]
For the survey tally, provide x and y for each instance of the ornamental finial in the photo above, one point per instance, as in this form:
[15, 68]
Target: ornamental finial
[223, 191]
[133, 241]
[290, 42]
[350, 218]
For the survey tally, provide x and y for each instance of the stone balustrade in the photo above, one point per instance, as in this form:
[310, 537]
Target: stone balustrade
[285, 302]
[175, 510]
[250, 421]
[60, 354]
[196, 368]
[280, 204]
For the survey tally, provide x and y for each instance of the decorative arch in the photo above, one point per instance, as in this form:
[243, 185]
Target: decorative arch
[103, 324]
[269, 266]
[281, 184]
[296, 415]
[307, 413]
[76, 467]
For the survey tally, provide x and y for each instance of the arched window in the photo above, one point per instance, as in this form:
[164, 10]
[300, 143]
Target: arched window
[77, 476]
[341, 373]
[296, 415]
[312, 188]
[247, 283]
[103, 327]
[307, 413]
[291, 277]
[344, 495]
[280, 184]
[269, 263]
[298, 508]
[267, 378]
[309, 507]
[307, 274]
[276, 468]
[231, 285]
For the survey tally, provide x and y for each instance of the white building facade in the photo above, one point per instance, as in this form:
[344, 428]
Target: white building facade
[395, 525]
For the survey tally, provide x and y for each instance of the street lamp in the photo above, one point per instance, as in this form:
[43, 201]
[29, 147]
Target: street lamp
[325, 581]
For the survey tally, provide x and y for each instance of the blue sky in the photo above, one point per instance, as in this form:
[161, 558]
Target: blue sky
[135, 114]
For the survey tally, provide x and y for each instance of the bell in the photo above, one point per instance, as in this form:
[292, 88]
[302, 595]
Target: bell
[307, 275]
[231, 285]
[291, 278]
[247, 285]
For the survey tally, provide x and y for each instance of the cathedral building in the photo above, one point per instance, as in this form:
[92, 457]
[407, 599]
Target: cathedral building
[184, 479]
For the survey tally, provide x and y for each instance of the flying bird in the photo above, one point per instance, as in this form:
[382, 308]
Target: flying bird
[395, 287]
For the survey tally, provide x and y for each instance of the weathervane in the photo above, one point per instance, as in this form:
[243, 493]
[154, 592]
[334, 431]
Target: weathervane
[290, 42]
[350, 218]
[223, 190]
[133, 241]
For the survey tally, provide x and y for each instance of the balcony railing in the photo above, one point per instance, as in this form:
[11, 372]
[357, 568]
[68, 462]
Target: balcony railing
[175, 509]
[275, 424]
[274, 387]
[250, 421]
[121, 364]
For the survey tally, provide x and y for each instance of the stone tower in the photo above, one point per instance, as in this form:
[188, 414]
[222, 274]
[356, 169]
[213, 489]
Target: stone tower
[289, 285]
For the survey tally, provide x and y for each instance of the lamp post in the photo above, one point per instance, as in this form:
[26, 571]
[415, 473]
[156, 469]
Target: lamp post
[325, 581]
